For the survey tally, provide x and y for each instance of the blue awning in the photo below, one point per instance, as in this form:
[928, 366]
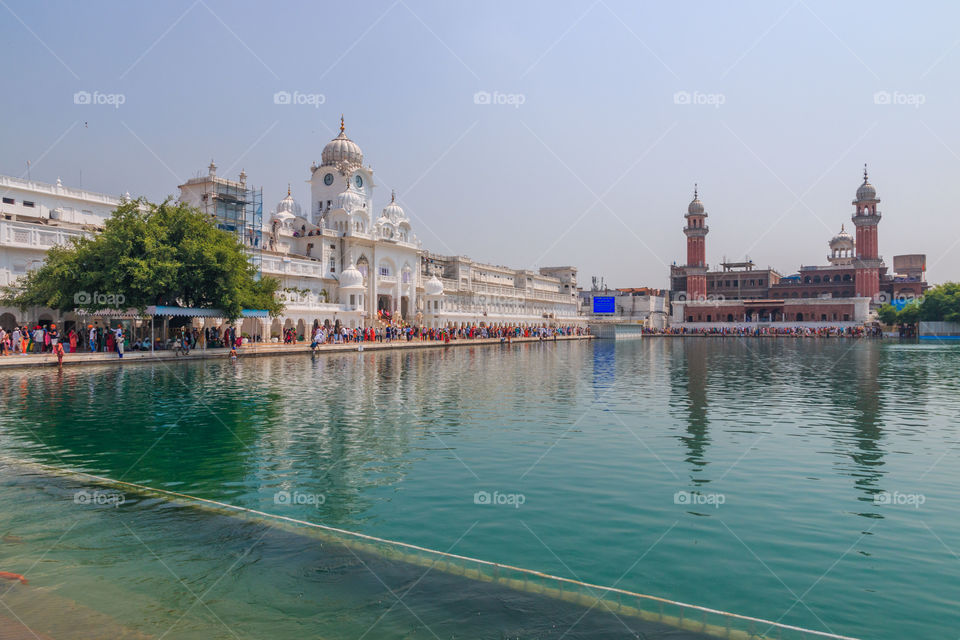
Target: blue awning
[191, 312]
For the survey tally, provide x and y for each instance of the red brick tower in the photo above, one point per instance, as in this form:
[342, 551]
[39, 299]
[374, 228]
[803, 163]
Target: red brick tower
[696, 232]
[868, 261]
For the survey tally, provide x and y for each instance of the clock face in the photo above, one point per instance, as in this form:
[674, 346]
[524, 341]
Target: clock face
[358, 180]
[328, 179]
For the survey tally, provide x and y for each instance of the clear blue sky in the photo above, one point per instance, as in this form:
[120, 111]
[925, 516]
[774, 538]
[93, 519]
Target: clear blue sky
[595, 167]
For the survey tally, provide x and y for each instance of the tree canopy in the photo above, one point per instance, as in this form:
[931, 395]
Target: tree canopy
[148, 254]
[939, 303]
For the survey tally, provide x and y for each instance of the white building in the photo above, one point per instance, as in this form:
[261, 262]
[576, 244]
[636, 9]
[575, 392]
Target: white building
[340, 262]
[639, 305]
[461, 292]
[35, 216]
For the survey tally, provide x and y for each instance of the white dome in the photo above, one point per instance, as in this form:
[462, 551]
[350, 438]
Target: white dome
[393, 211]
[349, 200]
[342, 149]
[842, 240]
[866, 191]
[351, 278]
[288, 205]
[433, 287]
[695, 206]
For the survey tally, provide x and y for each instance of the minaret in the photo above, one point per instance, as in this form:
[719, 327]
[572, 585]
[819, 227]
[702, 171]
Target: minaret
[866, 218]
[696, 232]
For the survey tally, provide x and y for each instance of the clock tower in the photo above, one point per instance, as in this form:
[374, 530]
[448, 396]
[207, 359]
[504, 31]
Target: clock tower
[340, 171]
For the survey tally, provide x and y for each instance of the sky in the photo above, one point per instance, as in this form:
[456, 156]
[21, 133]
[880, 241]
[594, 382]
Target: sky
[520, 133]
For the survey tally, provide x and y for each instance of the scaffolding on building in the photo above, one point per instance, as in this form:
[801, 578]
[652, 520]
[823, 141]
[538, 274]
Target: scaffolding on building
[238, 210]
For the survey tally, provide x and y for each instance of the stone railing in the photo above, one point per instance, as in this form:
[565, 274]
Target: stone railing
[19, 234]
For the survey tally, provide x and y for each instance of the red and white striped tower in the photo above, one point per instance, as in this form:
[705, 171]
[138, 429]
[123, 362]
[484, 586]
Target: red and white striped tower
[868, 261]
[696, 232]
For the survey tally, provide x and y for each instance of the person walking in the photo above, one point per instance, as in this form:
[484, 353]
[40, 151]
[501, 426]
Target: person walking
[118, 337]
[92, 336]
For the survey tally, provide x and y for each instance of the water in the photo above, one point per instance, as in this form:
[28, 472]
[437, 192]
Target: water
[806, 481]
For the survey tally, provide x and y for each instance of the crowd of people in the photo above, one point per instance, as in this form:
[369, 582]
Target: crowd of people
[871, 331]
[390, 333]
[47, 338]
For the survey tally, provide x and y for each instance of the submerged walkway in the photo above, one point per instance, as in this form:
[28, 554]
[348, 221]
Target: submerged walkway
[259, 349]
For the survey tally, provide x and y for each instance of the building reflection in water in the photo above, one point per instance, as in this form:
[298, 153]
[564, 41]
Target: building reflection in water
[688, 385]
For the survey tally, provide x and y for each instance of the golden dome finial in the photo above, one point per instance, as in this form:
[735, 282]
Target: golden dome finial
[393, 195]
[288, 188]
[341, 123]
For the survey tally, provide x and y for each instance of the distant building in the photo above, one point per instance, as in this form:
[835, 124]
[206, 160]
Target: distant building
[640, 305]
[839, 292]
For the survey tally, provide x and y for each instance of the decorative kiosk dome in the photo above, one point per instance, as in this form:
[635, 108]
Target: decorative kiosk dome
[695, 207]
[866, 191]
[342, 150]
[842, 248]
[351, 278]
[349, 199]
[433, 287]
[842, 240]
[288, 205]
[393, 211]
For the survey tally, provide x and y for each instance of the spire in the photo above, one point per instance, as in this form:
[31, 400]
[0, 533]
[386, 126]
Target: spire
[694, 190]
[288, 188]
[341, 123]
[841, 228]
[393, 196]
[865, 179]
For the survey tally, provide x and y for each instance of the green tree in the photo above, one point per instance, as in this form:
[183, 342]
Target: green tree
[888, 314]
[941, 302]
[148, 254]
[910, 314]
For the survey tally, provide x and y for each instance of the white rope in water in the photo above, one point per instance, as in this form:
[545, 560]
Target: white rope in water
[363, 536]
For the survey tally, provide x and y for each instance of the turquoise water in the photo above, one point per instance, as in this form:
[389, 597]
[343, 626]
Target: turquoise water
[806, 481]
